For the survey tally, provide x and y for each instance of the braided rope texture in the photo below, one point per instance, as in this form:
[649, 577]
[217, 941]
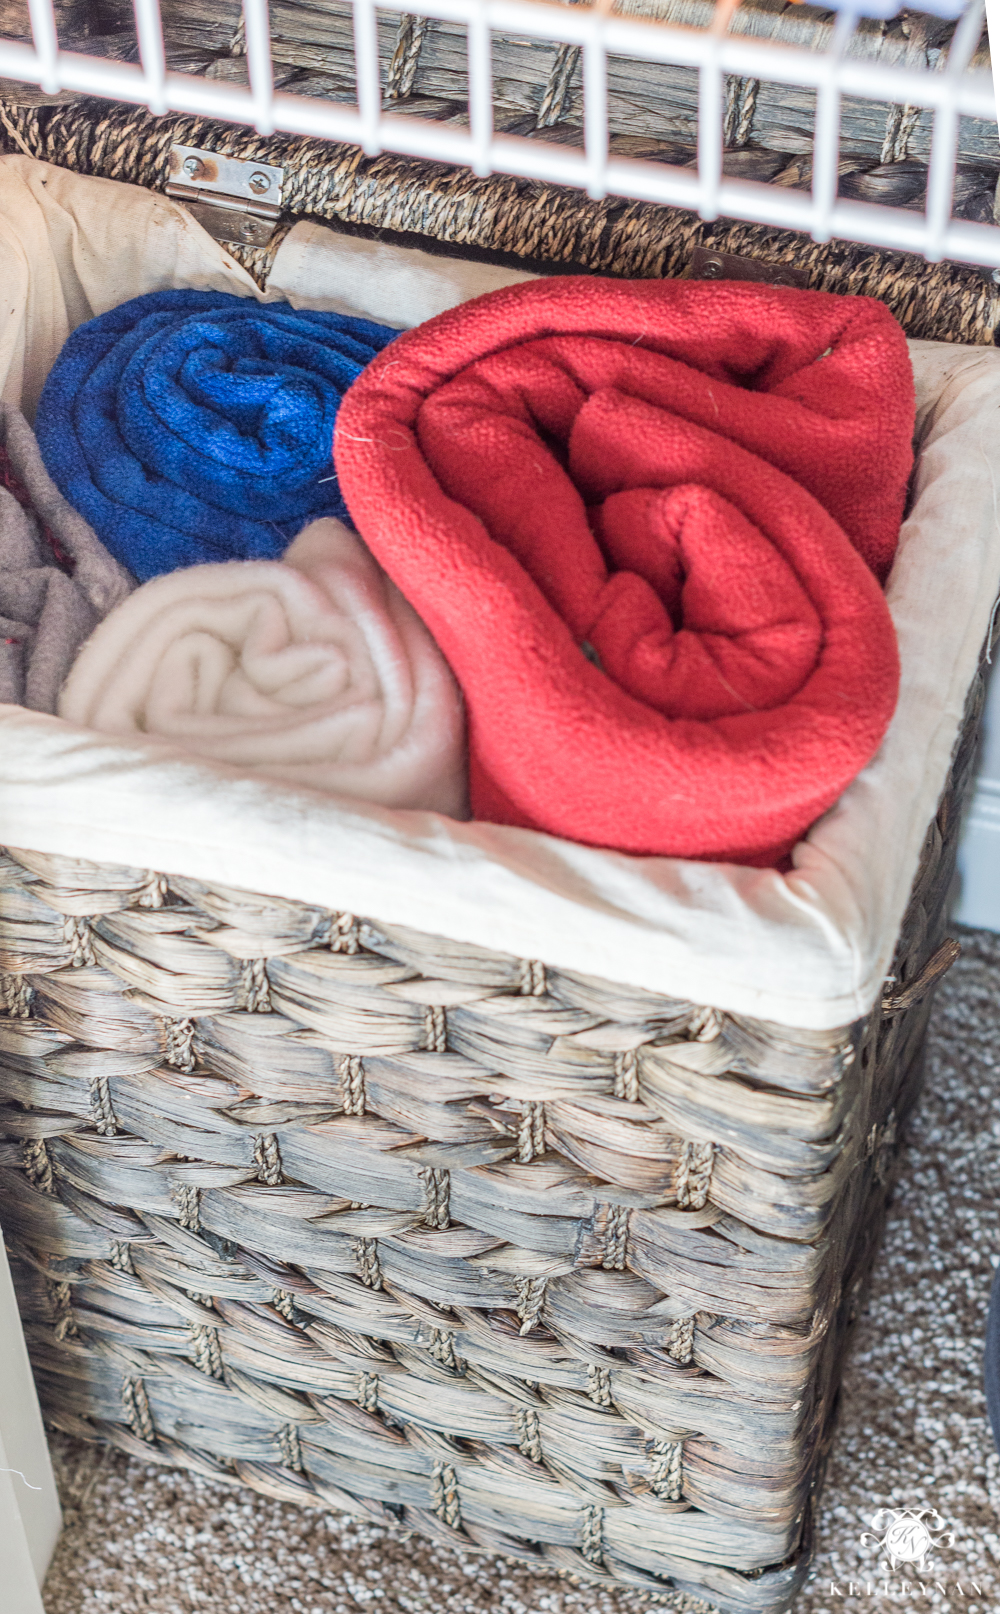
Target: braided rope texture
[538, 84]
[405, 57]
[594, 1357]
[548, 224]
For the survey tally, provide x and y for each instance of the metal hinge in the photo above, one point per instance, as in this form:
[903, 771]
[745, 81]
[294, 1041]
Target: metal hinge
[233, 200]
[708, 265]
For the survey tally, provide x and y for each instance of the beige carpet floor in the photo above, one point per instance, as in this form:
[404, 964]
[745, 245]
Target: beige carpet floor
[913, 1431]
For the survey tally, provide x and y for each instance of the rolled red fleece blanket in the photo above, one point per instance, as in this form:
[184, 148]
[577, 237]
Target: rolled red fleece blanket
[647, 523]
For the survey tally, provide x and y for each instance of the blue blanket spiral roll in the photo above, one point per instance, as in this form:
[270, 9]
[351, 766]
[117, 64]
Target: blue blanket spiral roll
[195, 426]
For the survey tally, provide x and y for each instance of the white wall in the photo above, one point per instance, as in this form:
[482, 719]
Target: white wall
[979, 854]
[30, 1519]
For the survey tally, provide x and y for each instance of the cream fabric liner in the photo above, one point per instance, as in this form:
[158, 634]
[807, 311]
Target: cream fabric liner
[72, 247]
[809, 949]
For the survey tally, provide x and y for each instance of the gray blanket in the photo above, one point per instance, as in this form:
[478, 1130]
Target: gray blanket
[52, 595]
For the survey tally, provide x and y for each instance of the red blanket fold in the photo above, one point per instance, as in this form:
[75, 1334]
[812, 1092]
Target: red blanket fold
[647, 523]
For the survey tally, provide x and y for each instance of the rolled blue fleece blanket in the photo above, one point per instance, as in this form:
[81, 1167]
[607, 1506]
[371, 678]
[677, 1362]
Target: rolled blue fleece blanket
[195, 426]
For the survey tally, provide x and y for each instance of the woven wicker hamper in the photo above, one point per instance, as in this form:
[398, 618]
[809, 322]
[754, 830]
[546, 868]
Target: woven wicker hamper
[376, 1221]
[216, 1278]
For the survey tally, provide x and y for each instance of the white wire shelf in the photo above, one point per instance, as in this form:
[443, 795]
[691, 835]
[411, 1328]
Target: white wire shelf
[952, 90]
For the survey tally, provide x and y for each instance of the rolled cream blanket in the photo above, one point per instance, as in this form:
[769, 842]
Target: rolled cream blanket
[312, 670]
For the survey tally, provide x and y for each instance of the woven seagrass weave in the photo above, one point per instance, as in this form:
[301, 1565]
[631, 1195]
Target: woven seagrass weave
[538, 83]
[544, 225]
[362, 1217]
